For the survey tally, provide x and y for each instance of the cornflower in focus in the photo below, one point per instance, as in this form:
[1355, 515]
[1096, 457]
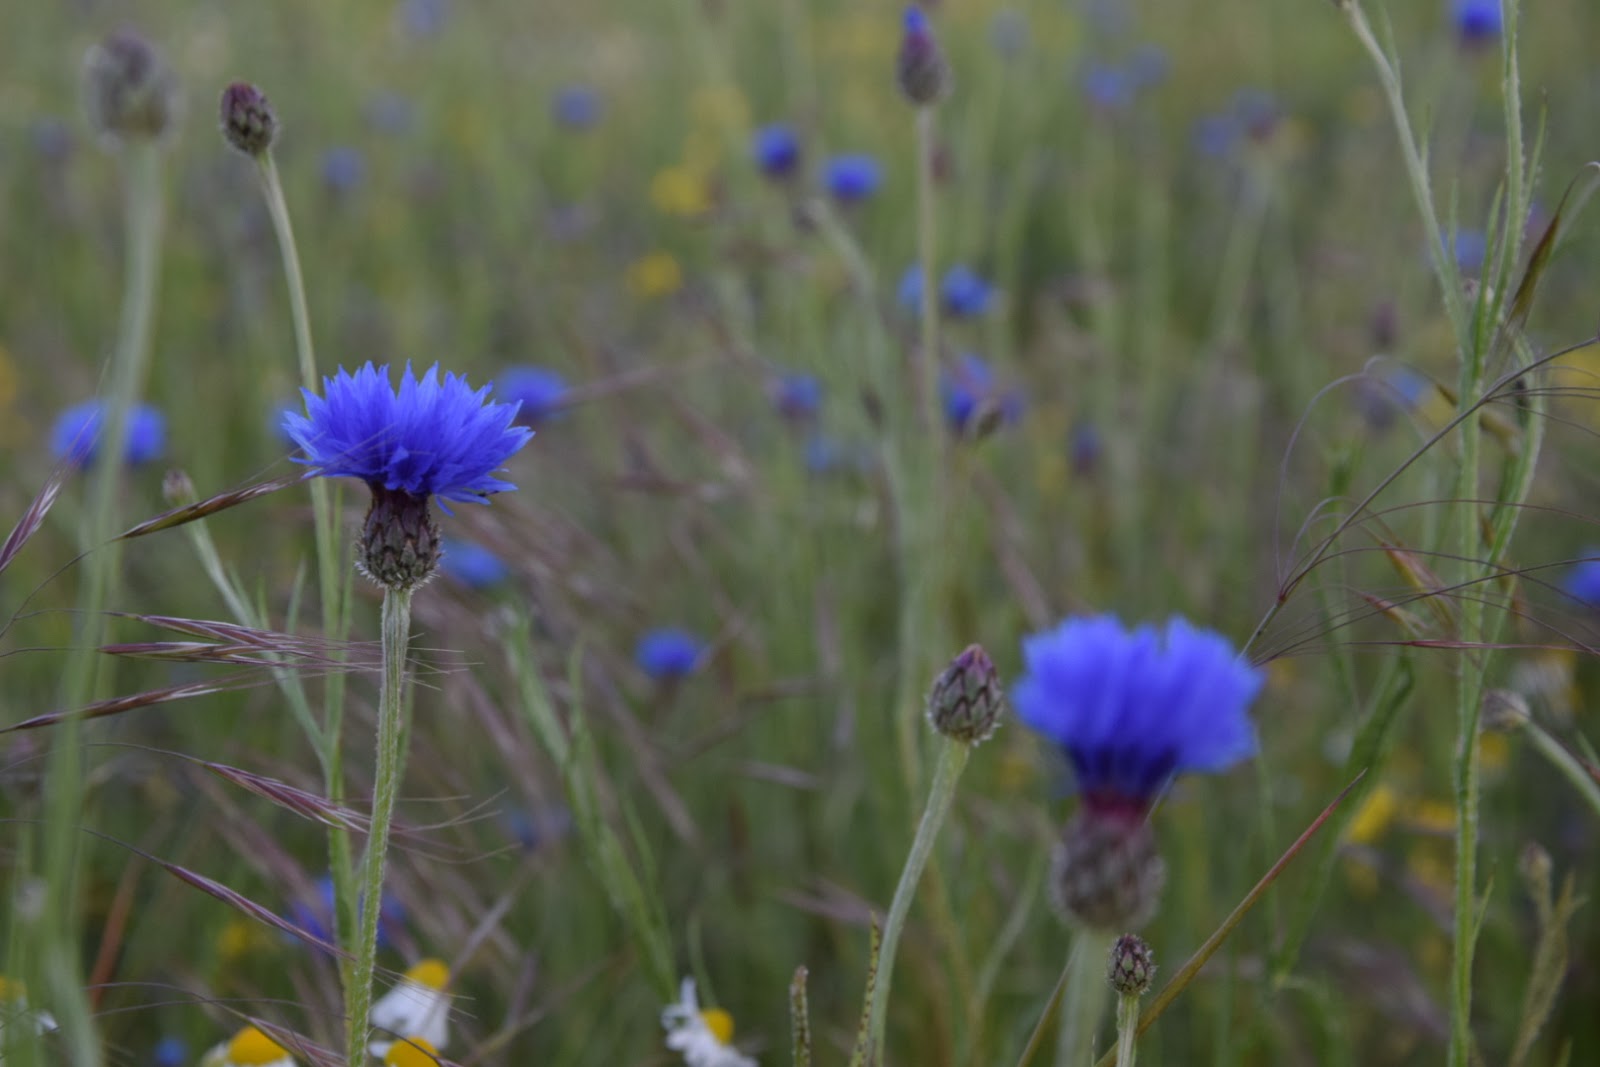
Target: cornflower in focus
[417, 1008]
[1131, 709]
[75, 437]
[668, 653]
[705, 1037]
[427, 438]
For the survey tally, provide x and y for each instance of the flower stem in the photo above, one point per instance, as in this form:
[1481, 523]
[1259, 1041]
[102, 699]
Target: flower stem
[385, 787]
[952, 761]
[1127, 1028]
[1086, 995]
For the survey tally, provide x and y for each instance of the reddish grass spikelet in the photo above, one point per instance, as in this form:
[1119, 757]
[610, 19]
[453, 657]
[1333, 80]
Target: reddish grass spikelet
[33, 518]
[241, 903]
[101, 709]
[187, 513]
[306, 804]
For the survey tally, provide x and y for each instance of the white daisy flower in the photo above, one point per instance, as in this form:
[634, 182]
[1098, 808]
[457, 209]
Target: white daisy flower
[417, 1007]
[704, 1037]
[248, 1048]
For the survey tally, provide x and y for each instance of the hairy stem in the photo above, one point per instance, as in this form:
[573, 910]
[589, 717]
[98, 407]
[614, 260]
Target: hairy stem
[1127, 1029]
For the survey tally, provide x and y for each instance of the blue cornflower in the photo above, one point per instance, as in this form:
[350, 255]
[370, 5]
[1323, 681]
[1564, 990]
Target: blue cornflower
[1135, 708]
[1148, 66]
[1477, 21]
[1468, 248]
[962, 292]
[471, 564]
[315, 916]
[577, 107]
[424, 18]
[776, 150]
[391, 113]
[852, 178]
[343, 169]
[170, 1052]
[1108, 87]
[427, 438]
[1582, 582]
[968, 390]
[668, 653]
[1085, 449]
[541, 392]
[75, 437]
[797, 396]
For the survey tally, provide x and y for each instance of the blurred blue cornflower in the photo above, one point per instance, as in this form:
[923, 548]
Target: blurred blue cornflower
[541, 391]
[1468, 248]
[1477, 21]
[668, 653]
[1582, 581]
[170, 1052]
[423, 18]
[1107, 86]
[429, 437]
[472, 565]
[968, 391]
[962, 293]
[1132, 709]
[776, 150]
[75, 437]
[796, 396]
[852, 178]
[1085, 449]
[1147, 67]
[344, 168]
[315, 916]
[577, 107]
[1252, 114]
[391, 113]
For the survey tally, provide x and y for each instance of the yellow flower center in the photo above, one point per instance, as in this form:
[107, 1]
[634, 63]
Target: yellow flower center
[250, 1048]
[431, 973]
[412, 1052]
[11, 989]
[720, 1023]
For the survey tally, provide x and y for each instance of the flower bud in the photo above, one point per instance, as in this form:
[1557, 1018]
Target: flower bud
[399, 546]
[1131, 966]
[178, 489]
[248, 121]
[129, 91]
[1105, 872]
[967, 699]
[921, 70]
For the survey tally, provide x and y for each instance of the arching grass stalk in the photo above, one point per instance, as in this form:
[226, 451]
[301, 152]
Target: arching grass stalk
[953, 757]
[385, 787]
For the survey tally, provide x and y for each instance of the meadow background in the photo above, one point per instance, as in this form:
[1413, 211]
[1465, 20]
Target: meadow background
[1212, 310]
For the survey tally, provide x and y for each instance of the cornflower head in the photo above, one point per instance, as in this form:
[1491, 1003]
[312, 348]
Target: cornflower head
[416, 1010]
[776, 150]
[921, 68]
[704, 1036]
[795, 396]
[472, 565]
[343, 169]
[248, 1048]
[973, 402]
[1477, 22]
[315, 915]
[577, 107]
[75, 437]
[170, 1052]
[129, 91]
[963, 294]
[668, 653]
[539, 390]
[852, 178]
[430, 437]
[1131, 709]
[249, 123]
[1582, 582]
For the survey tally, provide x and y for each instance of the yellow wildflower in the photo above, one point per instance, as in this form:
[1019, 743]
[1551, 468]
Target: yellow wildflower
[654, 275]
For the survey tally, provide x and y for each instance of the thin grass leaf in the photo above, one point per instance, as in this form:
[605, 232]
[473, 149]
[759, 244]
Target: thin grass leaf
[118, 705]
[34, 516]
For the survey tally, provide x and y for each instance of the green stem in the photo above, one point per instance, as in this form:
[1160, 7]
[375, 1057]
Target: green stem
[385, 787]
[329, 565]
[952, 761]
[927, 231]
[1127, 1029]
[1086, 995]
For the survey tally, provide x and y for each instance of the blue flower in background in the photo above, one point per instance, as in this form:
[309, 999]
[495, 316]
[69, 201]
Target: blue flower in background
[1468, 248]
[541, 392]
[1477, 21]
[962, 293]
[668, 653]
[776, 150]
[390, 113]
[424, 18]
[577, 107]
[429, 437]
[1148, 67]
[1108, 87]
[1135, 708]
[852, 178]
[968, 389]
[1085, 448]
[170, 1052]
[75, 437]
[797, 396]
[344, 169]
[1582, 582]
[315, 916]
[471, 564]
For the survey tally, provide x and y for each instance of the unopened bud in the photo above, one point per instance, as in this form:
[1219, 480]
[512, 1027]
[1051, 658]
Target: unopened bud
[967, 699]
[1131, 966]
[921, 70]
[129, 91]
[248, 121]
[399, 546]
[178, 489]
